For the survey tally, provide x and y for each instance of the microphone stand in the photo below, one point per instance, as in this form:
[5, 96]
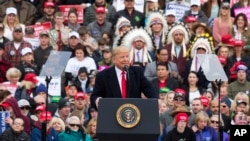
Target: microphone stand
[44, 124]
[219, 83]
[127, 82]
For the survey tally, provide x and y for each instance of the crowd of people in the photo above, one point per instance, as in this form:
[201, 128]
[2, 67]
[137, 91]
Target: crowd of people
[161, 44]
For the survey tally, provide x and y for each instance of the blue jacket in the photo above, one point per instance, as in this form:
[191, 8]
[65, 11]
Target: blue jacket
[36, 135]
[208, 133]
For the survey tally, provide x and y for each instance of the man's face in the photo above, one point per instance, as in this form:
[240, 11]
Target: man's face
[214, 107]
[65, 111]
[49, 11]
[72, 91]
[156, 28]
[224, 109]
[179, 101]
[82, 76]
[73, 41]
[17, 125]
[25, 110]
[59, 20]
[178, 37]
[223, 91]
[44, 40]
[162, 56]
[241, 75]
[129, 4]
[100, 17]
[200, 51]
[139, 44]
[79, 103]
[241, 108]
[196, 106]
[170, 19]
[162, 71]
[194, 8]
[18, 36]
[106, 54]
[121, 59]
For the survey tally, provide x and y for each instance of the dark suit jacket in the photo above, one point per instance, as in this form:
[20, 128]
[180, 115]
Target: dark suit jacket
[172, 84]
[107, 85]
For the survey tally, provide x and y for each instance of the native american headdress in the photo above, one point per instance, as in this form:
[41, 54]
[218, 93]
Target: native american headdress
[178, 27]
[157, 16]
[133, 34]
[122, 21]
[204, 41]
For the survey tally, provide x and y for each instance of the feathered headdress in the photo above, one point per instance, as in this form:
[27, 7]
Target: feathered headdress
[130, 36]
[178, 27]
[204, 41]
[122, 21]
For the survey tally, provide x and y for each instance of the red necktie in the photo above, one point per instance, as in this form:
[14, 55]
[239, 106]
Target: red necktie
[59, 41]
[124, 85]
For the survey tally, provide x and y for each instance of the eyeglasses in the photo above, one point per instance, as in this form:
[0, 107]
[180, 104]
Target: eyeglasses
[25, 107]
[72, 125]
[213, 121]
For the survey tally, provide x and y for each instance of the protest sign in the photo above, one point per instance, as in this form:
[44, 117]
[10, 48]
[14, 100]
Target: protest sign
[245, 10]
[46, 26]
[179, 9]
[54, 85]
[65, 10]
[3, 116]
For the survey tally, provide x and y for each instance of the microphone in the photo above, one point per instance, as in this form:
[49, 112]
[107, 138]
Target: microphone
[126, 67]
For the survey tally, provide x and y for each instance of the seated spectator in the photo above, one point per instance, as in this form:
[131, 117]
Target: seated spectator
[13, 76]
[38, 110]
[91, 128]
[10, 21]
[82, 80]
[24, 106]
[215, 124]
[24, 10]
[106, 61]
[36, 132]
[58, 124]
[74, 131]
[15, 132]
[239, 118]
[73, 41]
[31, 38]
[63, 110]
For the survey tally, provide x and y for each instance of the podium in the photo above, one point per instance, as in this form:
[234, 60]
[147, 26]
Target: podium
[130, 119]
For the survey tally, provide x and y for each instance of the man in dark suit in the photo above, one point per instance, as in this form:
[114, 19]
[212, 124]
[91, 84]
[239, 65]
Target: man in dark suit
[163, 79]
[109, 85]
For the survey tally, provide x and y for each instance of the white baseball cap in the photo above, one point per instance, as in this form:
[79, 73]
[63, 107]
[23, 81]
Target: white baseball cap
[23, 102]
[26, 50]
[195, 2]
[11, 10]
[74, 33]
[170, 12]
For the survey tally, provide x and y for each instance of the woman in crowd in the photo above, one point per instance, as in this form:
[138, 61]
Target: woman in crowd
[192, 88]
[58, 124]
[241, 29]
[223, 23]
[169, 99]
[108, 37]
[13, 76]
[162, 106]
[81, 59]
[240, 103]
[150, 6]
[74, 132]
[91, 128]
[211, 10]
[10, 21]
[82, 80]
[215, 124]
[72, 19]
[202, 128]
[239, 4]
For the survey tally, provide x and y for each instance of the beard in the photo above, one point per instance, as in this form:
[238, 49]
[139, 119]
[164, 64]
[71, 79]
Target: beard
[17, 39]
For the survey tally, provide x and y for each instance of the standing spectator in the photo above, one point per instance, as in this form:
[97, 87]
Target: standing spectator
[24, 106]
[27, 65]
[82, 80]
[135, 17]
[72, 20]
[91, 128]
[215, 124]
[90, 12]
[106, 61]
[25, 11]
[100, 25]
[73, 41]
[239, 4]
[12, 50]
[4, 64]
[3, 39]
[170, 17]
[63, 110]
[42, 53]
[13, 76]
[150, 6]
[48, 13]
[10, 21]
[59, 34]
[15, 132]
[58, 124]
[212, 9]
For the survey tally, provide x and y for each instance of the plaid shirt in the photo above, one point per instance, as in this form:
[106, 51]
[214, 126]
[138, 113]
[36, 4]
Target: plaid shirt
[13, 55]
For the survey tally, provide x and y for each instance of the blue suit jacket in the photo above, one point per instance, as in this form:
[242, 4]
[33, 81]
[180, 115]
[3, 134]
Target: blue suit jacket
[107, 85]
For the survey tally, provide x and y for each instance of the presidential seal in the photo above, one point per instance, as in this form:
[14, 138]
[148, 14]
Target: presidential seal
[128, 115]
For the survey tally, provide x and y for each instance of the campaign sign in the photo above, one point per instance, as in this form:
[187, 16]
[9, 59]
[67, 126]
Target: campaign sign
[245, 10]
[54, 85]
[45, 26]
[179, 9]
[239, 132]
[3, 116]
[65, 10]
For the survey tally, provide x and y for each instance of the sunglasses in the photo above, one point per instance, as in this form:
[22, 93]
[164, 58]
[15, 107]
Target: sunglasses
[72, 125]
[224, 106]
[176, 99]
[194, 6]
[213, 121]
[26, 107]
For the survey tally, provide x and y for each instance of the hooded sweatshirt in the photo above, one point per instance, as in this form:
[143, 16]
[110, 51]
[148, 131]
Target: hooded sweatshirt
[13, 102]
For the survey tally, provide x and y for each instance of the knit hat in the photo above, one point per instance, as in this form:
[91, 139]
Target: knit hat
[62, 103]
[242, 67]
[181, 116]
[226, 101]
[41, 88]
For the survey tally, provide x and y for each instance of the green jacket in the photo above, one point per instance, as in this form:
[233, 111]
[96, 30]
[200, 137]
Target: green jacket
[74, 136]
[236, 87]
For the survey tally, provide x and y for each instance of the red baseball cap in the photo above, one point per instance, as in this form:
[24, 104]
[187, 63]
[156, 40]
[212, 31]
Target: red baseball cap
[190, 19]
[5, 104]
[30, 77]
[80, 95]
[43, 116]
[49, 4]
[204, 101]
[100, 10]
[179, 93]
[40, 108]
[239, 43]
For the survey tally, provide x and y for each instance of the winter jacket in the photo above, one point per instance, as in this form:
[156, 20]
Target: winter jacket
[10, 135]
[174, 135]
[35, 135]
[69, 135]
[208, 133]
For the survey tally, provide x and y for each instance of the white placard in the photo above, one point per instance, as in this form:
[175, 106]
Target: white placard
[54, 85]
